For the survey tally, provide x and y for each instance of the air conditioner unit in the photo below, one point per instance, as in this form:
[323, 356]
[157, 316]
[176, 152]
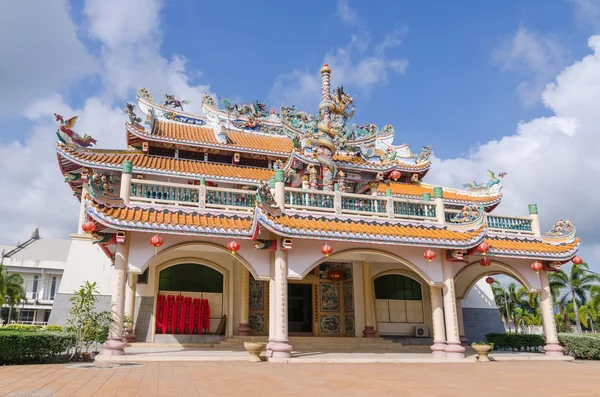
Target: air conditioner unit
[421, 332]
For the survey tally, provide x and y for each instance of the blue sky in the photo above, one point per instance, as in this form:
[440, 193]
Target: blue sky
[466, 77]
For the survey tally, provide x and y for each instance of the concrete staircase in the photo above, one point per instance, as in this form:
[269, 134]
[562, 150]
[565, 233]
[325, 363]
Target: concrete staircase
[321, 343]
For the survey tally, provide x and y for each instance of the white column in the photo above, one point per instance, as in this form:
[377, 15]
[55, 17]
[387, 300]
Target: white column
[553, 347]
[125, 191]
[42, 286]
[440, 209]
[280, 346]
[130, 306]
[244, 328]
[115, 346]
[369, 331]
[272, 308]
[85, 190]
[453, 346]
[535, 220]
[437, 315]
[461, 325]
[280, 188]
[359, 298]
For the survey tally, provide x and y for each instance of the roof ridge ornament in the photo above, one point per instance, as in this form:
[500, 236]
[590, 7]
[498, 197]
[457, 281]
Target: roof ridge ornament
[492, 186]
[69, 137]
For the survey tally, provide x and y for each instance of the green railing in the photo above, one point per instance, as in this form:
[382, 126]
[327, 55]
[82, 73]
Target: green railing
[219, 197]
[309, 199]
[414, 209]
[363, 203]
[153, 192]
[509, 223]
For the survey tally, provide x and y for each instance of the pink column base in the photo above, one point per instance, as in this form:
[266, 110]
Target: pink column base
[438, 349]
[369, 332]
[454, 350]
[554, 349]
[281, 349]
[268, 351]
[244, 329]
[114, 347]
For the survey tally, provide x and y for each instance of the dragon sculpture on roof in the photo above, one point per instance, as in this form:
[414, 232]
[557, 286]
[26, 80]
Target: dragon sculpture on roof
[66, 134]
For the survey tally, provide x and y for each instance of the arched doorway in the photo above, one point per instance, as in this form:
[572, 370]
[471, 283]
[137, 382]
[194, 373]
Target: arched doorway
[190, 299]
[399, 304]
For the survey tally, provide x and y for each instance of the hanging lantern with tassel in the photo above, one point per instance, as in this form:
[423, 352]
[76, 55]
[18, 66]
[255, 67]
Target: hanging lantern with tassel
[429, 255]
[537, 266]
[577, 260]
[89, 227]
[156, 241]
[489, 280]
[485, 262]
[233, 247]
[326, 250]
[483, 248]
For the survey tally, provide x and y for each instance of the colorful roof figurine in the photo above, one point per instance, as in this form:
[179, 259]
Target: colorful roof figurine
[213, 174]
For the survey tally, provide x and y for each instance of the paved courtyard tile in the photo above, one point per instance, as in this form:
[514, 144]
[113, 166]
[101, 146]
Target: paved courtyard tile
[526, 378]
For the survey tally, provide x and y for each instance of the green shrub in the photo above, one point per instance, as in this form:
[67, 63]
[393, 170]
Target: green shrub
[517, 342]
[23, 327]
[53, 328]
[23, 346]
[586, 347]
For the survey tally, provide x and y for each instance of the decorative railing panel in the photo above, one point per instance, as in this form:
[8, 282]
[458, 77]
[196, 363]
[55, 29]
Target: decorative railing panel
[165, 193]
[363, 203]
[220, 197]
[506, 223]
[409, 208]
[315, 200]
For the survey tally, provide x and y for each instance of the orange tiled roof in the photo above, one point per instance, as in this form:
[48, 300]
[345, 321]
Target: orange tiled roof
[417, 190]
[528, 247]
[378, 231]
[166, 165]
[192, 222]
[236, 140]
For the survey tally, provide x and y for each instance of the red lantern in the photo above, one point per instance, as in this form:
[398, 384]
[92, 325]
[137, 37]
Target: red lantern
[395, 175]
[89, 227]
[326, 249]
[485, 262]
[233, 247]
[537, 266]
[483, 248]
[156, 241]
[489, 280]
[577, 260]
[335, 275]
[429, 255]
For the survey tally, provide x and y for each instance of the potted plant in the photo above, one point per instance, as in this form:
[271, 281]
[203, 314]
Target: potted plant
[81, 319]
[482, 349]
[255, 349]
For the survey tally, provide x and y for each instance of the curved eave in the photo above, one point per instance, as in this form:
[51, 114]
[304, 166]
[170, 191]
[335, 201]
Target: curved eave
[158, 172]
[367, 166]
[489, 202]
[143, 135]
[554, 252]
[95, 212]
[372, 238]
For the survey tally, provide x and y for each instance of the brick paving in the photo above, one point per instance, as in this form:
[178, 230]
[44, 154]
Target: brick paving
[529, 378]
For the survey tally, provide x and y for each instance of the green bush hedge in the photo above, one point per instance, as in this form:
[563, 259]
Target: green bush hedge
[53, 328]
[517, 342]
[22, 327]
[586, 347]
[23, 346]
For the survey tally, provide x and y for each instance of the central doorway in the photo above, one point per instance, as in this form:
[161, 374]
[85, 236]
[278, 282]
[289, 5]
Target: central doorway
[300, 309]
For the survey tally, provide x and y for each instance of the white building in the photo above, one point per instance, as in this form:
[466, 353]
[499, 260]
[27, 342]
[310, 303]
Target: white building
[41, 263]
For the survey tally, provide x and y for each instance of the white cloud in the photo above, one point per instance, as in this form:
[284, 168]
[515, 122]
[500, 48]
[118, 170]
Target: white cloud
[587, 12]
[40, 52]
[550, 161]
[357, 66]
[536, 57]
[129, 36]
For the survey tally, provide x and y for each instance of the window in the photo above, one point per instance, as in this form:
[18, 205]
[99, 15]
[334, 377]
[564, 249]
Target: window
[190, 278]
[186, 154]
[53, 288]
[143, 278]
[398, 299]
[46, 315]
[35, 287]
[160, 151]
[26, 315]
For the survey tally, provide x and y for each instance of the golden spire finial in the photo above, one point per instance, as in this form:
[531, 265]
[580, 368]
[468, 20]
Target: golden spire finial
[325, 68]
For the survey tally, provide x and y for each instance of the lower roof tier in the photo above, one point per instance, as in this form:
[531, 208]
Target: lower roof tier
[332, 228]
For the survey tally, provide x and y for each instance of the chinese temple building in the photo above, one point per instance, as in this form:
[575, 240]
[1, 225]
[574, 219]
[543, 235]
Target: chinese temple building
[253, 221]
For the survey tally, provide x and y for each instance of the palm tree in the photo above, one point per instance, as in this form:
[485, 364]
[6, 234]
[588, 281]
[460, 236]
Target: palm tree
[516, 304]
[573, 287]
[11, 289]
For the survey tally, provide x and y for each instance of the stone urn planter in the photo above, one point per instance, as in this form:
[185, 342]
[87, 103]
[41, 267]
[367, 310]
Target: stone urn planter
[255, 348]
[482, 351]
